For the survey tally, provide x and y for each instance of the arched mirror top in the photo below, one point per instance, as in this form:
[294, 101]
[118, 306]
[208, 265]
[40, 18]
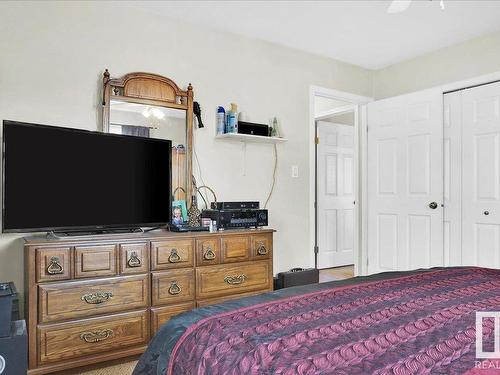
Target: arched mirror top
[151, 105]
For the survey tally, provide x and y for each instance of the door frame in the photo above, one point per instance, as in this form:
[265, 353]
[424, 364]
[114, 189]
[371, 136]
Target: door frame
[356, 102]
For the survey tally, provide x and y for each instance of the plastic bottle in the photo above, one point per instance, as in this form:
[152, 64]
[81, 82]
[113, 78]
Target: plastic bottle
[221, 120]
[232, 119]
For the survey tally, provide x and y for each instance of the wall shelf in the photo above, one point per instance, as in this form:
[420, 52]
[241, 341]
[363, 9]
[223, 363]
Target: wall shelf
[250, 138]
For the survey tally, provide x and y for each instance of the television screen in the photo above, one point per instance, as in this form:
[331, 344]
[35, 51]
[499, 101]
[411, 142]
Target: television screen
[65, 179]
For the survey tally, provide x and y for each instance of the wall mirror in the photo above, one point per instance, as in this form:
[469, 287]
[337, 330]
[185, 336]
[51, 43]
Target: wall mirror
[150, 105]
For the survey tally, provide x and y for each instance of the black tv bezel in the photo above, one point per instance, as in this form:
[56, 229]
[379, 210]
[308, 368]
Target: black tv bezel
[89, 228]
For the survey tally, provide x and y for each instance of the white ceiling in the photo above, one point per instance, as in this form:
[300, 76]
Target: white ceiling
[358, 32]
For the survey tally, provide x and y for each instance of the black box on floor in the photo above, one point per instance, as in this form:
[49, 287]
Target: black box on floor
[8, 304]
[277, 283]
[296, 277]
[14, 350]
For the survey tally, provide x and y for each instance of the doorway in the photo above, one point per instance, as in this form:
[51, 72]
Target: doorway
[336, 183]
[325, 103]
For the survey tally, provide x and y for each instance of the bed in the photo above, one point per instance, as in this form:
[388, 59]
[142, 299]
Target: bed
[390, 323]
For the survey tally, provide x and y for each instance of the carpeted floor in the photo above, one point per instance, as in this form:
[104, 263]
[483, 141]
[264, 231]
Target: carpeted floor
[116, 368]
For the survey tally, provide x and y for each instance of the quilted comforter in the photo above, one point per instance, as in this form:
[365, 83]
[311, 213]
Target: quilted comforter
[395, 323]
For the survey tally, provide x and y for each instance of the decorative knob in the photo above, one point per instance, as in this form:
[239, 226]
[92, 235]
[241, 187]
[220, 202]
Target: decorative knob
[97, 298]
[55, 267]
[486, 213]
[174, 288]
[96, 336]
[433, 205]
[261, 250]
[235, 280]
[134, 260]
[209, 254]
[174, 256]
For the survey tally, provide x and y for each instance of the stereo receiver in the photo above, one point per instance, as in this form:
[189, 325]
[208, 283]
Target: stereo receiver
[230, 219]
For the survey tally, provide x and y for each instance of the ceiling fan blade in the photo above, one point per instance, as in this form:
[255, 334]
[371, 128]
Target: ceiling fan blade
[398, 6]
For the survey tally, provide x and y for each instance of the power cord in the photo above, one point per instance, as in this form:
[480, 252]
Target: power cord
[199, 170]
[274, 175]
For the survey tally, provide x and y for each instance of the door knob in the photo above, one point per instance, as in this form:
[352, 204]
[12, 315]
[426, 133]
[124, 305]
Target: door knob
[433, 205]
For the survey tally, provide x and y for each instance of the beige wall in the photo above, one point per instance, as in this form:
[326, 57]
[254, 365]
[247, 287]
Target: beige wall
[53, 55]
[52, 58]
[470, 59]
[322, 104]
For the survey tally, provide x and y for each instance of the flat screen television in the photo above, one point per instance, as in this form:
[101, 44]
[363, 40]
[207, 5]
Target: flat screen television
[60, 179]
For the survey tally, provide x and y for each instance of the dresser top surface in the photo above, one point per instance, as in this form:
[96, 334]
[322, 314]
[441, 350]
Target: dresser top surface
[159, 234]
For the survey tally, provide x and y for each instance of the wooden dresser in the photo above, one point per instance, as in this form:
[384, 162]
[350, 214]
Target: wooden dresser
[99, 298]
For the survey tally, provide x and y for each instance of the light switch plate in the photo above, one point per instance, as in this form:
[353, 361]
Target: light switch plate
[295, 171]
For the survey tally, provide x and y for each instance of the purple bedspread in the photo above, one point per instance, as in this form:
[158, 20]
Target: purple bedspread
[416, 324]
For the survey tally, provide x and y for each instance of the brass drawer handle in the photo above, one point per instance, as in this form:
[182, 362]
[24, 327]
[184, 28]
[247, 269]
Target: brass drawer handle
[235, 280]
[97, 297]
[134, 260]
[174, 257]
[209, 254]
[174, 288]
[96, 336]
[262, 250]
[55, 267]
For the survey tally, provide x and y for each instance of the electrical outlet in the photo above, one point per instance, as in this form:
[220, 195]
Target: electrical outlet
[295, 171]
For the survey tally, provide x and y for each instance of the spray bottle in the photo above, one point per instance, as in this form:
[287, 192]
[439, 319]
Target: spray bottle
[232, 119]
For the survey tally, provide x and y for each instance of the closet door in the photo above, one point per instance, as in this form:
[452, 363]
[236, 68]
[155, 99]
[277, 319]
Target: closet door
[481, 176]
[405, 182]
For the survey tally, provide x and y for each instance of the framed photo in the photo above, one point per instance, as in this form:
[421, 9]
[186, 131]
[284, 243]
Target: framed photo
[179, 212]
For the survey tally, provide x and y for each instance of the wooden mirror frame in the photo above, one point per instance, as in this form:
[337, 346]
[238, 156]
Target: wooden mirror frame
[156, 90]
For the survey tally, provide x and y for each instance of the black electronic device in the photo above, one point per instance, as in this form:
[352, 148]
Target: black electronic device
[186, 228]
[8, 307]
[234, 205]
[253, 129]
[232, 219]
[297, 276]
[60, 179]
[14, 350]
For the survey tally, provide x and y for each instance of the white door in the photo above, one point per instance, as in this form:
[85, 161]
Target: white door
[481, 176]
[405, 182]
[452, 123]
[336, 194]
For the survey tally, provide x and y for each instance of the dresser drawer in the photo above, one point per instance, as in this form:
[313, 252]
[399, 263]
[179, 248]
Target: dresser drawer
[94, 261]
[63, 301]
[161, 315]
[235, 249]
[215, 281]
[207, 251]
[77, 339]
[53, 264]
[134, 258]
[262, 246]
[173, 286]
[217, 300]
[171, 254]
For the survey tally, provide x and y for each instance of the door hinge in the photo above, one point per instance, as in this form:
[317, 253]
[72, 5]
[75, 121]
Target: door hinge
[316, 249]
[316, 140]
